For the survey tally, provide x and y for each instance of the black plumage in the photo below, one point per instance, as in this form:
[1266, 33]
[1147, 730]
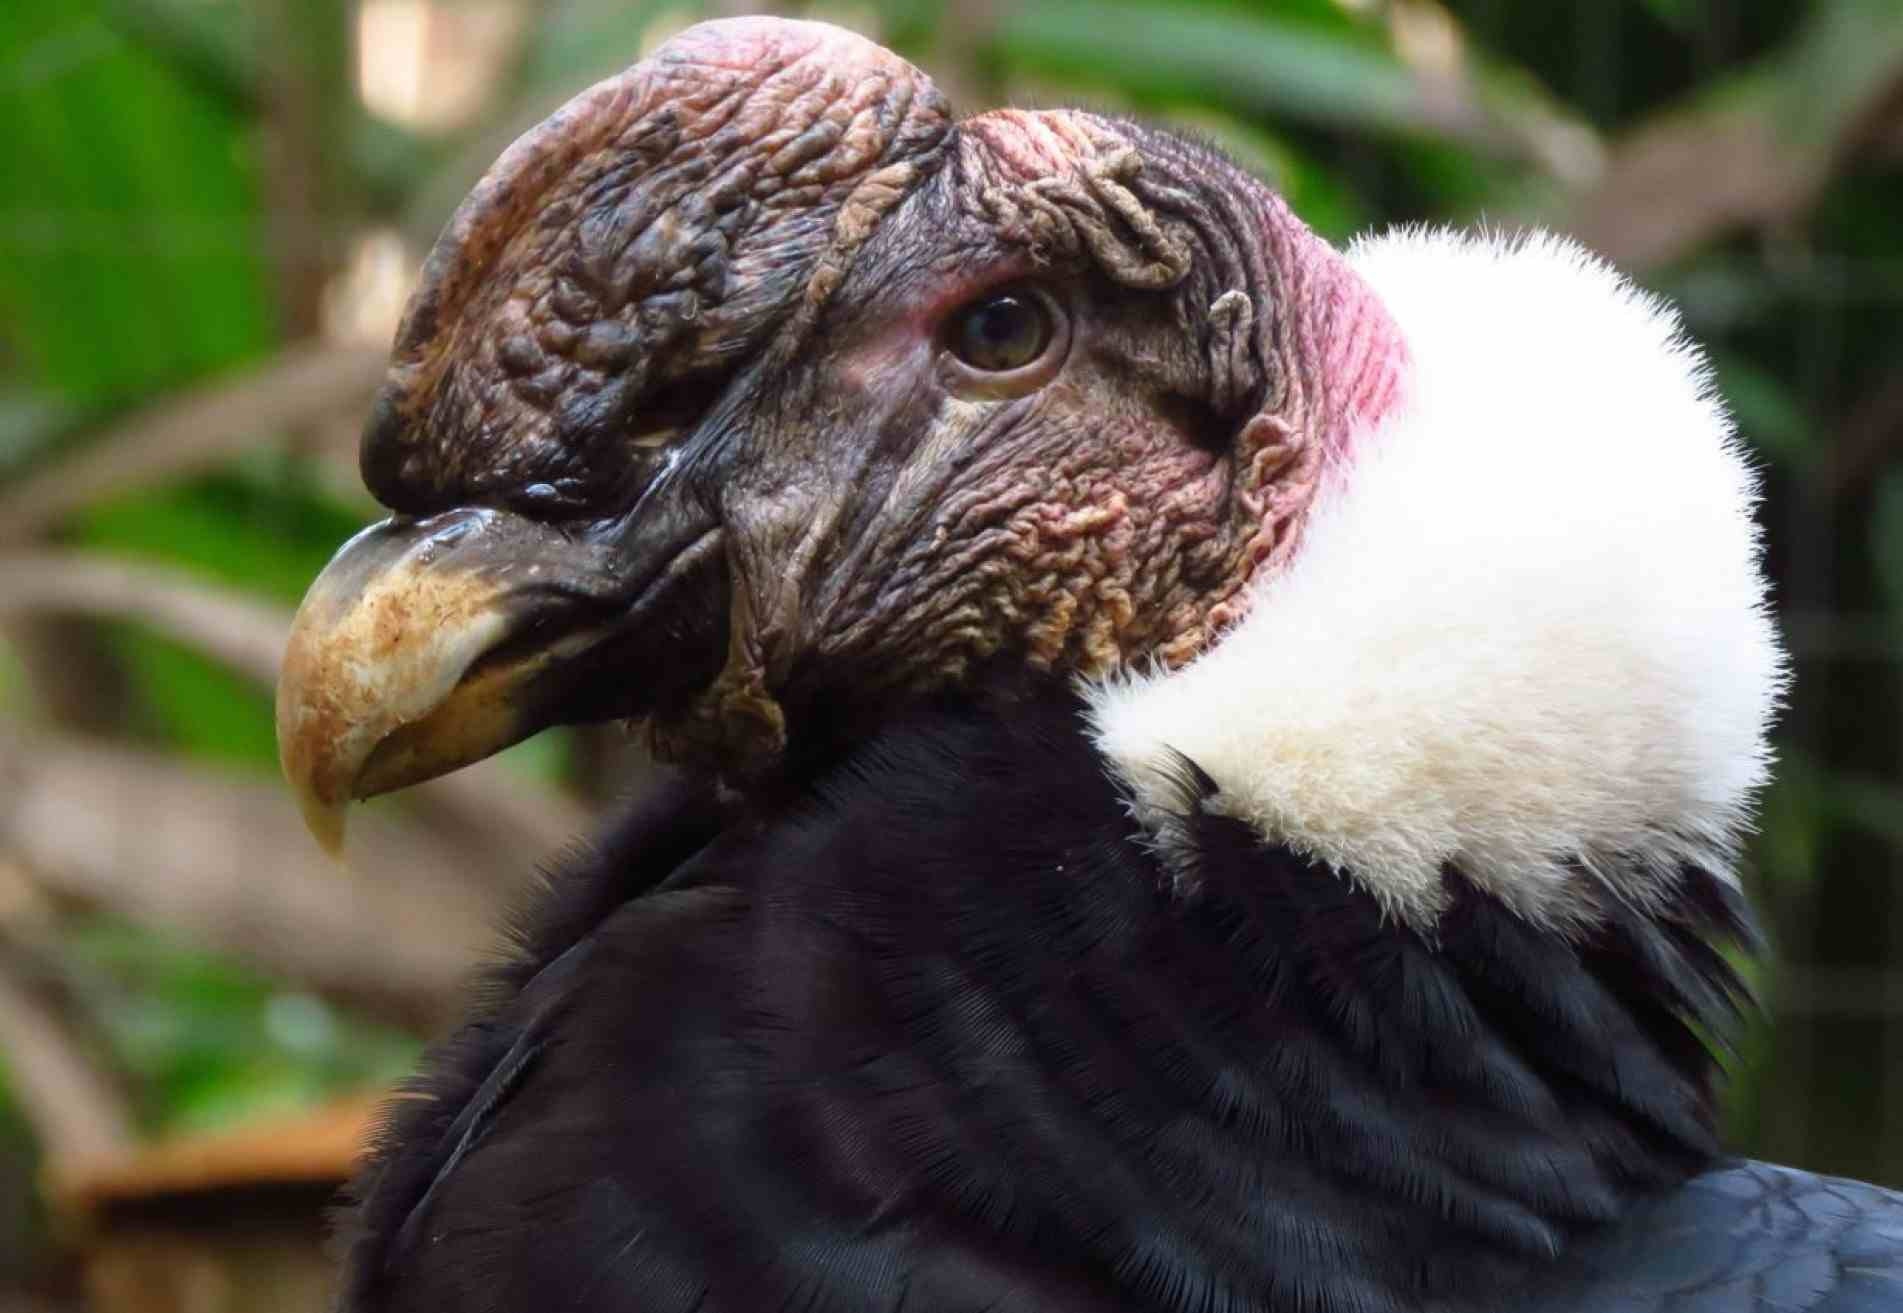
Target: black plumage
[938, 1030]
[1214, 765]
[1740, 1238]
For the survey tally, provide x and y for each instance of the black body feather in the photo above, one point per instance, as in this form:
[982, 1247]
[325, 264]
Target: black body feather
[940, 1031]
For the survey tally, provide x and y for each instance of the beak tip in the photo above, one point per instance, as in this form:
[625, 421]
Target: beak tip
[325, 821]
[323, 812]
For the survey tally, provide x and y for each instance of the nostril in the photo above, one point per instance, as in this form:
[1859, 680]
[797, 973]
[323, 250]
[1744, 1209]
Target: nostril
[546, 501]
[386, 461]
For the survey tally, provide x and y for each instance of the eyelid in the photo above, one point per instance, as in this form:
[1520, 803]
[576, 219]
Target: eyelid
[991, 276]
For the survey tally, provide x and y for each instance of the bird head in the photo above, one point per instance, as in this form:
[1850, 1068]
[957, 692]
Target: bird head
[751, 395]
[750, 388]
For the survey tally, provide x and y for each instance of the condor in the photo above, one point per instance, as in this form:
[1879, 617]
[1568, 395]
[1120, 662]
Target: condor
[1208, 769]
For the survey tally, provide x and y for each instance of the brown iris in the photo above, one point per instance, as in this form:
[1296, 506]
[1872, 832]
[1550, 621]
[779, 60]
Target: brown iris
[1002, 332]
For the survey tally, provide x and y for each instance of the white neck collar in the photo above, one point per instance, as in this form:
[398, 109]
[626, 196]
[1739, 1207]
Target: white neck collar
[1525, 635]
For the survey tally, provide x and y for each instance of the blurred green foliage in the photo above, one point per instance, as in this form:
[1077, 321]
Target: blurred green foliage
[258, 527]
[184, 182]
[101, 127]
[211, 1043]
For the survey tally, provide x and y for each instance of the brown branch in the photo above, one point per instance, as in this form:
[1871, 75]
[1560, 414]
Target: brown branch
[309, 109]
[77, 1112]
[300, 386]
[72, 674]
[516, 823]
[1868, 441]
[1684, 179]
[224, 860]
[237, 632]
[320, 1147]
[1752, 149]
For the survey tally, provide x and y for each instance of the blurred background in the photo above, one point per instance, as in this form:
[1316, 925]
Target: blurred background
[210, 214]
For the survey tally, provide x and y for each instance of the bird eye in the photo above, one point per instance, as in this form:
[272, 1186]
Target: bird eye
[1003, 331]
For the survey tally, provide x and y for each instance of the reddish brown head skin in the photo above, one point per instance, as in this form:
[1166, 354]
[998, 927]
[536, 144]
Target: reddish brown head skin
[702, 316]
[629, 249]
[904, 524]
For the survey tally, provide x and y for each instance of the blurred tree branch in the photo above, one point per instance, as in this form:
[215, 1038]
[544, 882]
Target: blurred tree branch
[1869, 440]
[299, 386]
[225, 861]
[75, 677]
[246, 635]
[1750, 150]
[309, 102]
[1340, 75]
[78, 1111]
[1679, 181]
[508, 825]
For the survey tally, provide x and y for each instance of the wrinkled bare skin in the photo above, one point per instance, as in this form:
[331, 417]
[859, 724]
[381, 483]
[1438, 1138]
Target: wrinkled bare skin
[706, 307]
[651, 232]
[903, 527]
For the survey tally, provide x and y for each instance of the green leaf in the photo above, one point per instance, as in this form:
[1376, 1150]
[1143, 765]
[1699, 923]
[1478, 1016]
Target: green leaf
[1679, 15]
[1336, 73]
[264, 528]
[1809, 799]
[127, 212]
[212, 42]
[578, 42]
[1849, 53]
[215, 1043]
[193, 705]
[1791, 827]
[1886, 549]
[1768, 417]
[32, 423]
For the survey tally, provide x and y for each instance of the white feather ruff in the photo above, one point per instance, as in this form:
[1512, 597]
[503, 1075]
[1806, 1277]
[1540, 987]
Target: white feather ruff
[1526, 632]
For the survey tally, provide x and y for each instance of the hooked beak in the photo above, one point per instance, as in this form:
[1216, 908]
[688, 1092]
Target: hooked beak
[401, 664]
[429, 644]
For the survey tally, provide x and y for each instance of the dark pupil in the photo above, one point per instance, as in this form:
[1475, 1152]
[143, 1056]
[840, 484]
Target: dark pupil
[1004, 332]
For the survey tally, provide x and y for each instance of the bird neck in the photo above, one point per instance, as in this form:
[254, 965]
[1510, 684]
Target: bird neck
[1313, 362]
[1348, 328]
[1524, 630]
[1340, 344]
[1210, 1064]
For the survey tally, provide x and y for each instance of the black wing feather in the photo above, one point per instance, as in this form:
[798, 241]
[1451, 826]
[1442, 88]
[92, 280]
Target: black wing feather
[1748, 1237]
